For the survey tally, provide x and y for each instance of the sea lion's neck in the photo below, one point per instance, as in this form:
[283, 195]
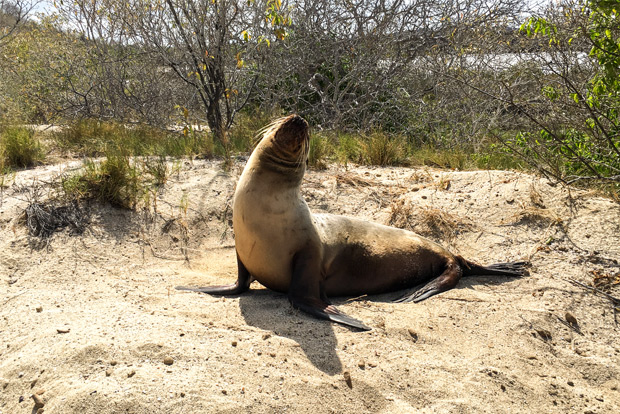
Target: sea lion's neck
[291, 170]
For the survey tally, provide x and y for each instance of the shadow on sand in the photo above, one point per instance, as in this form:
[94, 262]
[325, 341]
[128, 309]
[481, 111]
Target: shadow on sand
[271, 311]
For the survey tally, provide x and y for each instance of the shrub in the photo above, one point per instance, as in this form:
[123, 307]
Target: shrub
[382, 149]
[20, 148]
[320, 149]
[93, 138]
[576, 137]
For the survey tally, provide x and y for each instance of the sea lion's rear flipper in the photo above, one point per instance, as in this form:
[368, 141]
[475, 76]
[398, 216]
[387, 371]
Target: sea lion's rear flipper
[511, 269]
[241, 285]
[306, 292]
[445, 281]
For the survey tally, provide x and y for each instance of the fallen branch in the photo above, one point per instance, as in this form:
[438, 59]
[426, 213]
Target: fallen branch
[614, 299]
[13, 297]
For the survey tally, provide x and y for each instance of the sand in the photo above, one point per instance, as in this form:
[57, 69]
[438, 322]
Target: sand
[91, 322]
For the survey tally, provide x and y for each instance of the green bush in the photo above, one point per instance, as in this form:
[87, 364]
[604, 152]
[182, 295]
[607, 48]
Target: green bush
[94, 138]
[585, 144]
[349, 148]
[320, 149]
[19, 148]
[383, 149]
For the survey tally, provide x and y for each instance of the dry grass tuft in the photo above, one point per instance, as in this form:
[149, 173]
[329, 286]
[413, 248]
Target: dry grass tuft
[443, 184]
[537, 216]
[536, 198]
[427, 221]
[605, 280]
[352, 180]
[422, 176]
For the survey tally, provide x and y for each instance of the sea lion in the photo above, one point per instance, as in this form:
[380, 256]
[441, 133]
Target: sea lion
[285, 247]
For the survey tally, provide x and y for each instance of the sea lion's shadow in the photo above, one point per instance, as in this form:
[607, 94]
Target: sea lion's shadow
[272, 311]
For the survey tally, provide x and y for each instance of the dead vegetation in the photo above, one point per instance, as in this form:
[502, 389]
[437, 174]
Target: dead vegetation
[43, 220]
[605, 280]
[427, 221]
[353, 180]
[44, 215]
[536, 216]
[535, 212]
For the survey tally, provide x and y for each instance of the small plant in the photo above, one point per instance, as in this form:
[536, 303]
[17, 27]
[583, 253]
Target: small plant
[115, 180]
[383, 149]
[4, 168]
[184, 205]
[320, 148]
[5, 173]
[158, 169]
[19, 148]
[349, 149]
[94, 138]
[119, 180]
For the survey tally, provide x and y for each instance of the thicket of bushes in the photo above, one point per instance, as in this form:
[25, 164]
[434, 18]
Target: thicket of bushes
[465, 86]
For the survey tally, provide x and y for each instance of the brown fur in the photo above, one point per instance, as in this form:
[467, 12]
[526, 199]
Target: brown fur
[281, 244]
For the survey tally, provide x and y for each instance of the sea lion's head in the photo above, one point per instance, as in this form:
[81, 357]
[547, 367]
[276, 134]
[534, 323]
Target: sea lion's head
[285, 144]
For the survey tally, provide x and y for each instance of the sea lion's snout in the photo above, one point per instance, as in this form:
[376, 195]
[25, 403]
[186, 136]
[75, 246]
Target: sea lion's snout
[293, 134]
[297, 122]
[295, 128]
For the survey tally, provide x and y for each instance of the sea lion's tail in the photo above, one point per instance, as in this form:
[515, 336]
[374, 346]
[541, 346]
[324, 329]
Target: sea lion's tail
[515, 269]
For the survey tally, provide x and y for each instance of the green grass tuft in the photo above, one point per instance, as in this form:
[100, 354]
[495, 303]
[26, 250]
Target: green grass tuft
[381, 148]
[119, 179]
[243, 134]
[349, 149]
[93, 138]
[320, 149]
[115, 180]
[442, 158]
[19, 148]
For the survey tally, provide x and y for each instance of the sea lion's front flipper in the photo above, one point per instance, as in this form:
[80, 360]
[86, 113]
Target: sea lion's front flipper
[324, 311]
[306, 293]
[445, 281]
[241, 285]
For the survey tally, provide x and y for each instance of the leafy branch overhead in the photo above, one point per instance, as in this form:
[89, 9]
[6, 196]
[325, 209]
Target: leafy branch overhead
[587, 146]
